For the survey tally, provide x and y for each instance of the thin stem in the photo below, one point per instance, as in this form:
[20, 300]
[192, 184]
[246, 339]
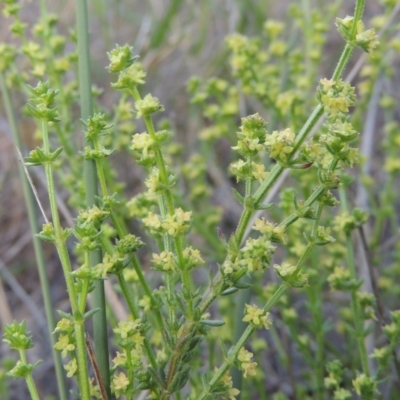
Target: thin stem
[62, 250]
[122, 233]
[29, 380]
[318, 317]
[91, 182]
[167, 194]
[251, 328]
[358, 322]
[38, 248]
[135, 314]
[85, 287]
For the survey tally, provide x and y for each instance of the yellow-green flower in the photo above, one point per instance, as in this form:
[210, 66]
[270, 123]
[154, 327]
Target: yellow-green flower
[148, 105]
[64, 345]
[246, 365]
[120, 383]
[71, 368]
[256, 316]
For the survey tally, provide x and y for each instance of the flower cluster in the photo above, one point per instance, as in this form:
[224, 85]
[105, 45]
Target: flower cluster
[336, 141]
[66, 340]
[280, 144]
[335, 96]
[347, 222]
[17, 336]
[131, 341]
[173, 225]
[340, 279]
[165, 261]
[120, 58]
[257, 316]
[41, 105]
[147, 106]
[245, 364]
[7, 56]
[244, 170]
[143, 143]
[271, 231]
[226, 380]
[251, 136]
[290, 275]
[365, 38]
[334, 379]
[130, 73]
[365, 386]
[392, 330]
[112, 264]
[66, 344]
[255, 255]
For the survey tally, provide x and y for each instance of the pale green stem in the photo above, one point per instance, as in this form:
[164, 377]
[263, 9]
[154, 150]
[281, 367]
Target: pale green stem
[358, 321]
[29, 380]
[250, 329]
[85, 287]
[135, 314]
[91, 182]
[169, 276]
[127, 295]
[122, 233]
[185, 274]
[38, 248]
[66, 265]
[317, 311]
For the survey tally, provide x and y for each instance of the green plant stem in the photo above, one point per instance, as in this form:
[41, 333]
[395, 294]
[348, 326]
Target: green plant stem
[239, 344]
[121, 233]
[358, 322]
[135, 314]
[251, 328]
[302, 135]
[130, 390]
[128, 298]
[29, 380]
[318, 318]
[60, 243]
[56, 81]
[37, 245]
[219, 285]
[349, 47]
[91, 182]
[185, 274]
[85, 287]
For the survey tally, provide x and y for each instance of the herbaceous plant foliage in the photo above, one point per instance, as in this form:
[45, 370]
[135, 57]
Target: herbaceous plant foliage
[297, 287]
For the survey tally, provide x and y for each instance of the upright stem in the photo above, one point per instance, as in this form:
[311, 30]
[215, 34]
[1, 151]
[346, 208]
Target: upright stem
[169, 200]
[60, 243]
[37, 245]
[91, 184]
[29, 380]
[318, 317]
[358, 322]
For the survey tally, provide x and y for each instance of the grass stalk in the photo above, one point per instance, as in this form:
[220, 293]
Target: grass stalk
[91, 184]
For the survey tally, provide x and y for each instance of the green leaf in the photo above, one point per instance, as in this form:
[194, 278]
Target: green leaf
[238, 196]
[90, 313]
[210, 322]
[65, 315]
[229, 291]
